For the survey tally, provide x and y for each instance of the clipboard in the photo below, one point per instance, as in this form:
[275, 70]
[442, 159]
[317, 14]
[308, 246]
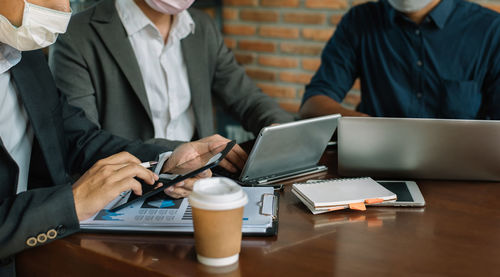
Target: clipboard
[261, 216]
[273, 229]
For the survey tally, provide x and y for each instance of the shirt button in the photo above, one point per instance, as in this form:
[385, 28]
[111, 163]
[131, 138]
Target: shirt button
[419, 63]
[419, 95]
[417, 32]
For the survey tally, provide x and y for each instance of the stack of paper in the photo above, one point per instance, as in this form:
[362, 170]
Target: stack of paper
[336, 194]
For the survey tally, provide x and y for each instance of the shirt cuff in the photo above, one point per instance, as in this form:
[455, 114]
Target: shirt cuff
[161, 161]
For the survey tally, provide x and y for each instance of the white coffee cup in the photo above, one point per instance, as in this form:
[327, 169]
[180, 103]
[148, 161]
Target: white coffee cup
[217, 205]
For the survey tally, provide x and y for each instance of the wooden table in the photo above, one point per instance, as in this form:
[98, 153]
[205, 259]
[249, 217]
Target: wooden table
[456, 234]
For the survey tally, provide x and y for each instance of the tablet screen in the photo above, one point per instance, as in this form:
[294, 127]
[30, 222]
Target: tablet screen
[180, 172]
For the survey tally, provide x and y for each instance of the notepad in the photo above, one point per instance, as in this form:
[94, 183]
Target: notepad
[336, 194]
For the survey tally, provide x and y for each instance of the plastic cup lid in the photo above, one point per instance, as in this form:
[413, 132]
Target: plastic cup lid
[217, 194]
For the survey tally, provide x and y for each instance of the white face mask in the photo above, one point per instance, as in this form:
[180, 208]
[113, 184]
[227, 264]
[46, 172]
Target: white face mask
[407, 6]
[39, 28]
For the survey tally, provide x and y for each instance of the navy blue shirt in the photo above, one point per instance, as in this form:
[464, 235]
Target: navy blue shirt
[446, 67]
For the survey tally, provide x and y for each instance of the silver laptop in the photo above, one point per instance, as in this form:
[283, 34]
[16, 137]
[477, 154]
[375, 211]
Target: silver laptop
[419, 148]
[288, 150]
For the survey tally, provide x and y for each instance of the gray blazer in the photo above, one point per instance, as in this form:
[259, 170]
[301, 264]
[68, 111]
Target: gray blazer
[95, 66]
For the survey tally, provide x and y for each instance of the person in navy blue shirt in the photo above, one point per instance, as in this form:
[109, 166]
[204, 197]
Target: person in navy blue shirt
[414, 58]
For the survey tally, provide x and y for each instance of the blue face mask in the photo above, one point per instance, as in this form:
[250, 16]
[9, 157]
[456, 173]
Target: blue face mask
[407, 6]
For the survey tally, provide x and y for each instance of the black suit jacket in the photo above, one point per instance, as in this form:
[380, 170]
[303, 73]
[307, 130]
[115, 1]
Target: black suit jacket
[66, 142]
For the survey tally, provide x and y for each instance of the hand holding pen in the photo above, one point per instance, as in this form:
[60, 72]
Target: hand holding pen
[106, 180]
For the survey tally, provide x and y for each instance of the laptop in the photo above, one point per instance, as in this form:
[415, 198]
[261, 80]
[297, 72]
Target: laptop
[286, 151]
[419, 148]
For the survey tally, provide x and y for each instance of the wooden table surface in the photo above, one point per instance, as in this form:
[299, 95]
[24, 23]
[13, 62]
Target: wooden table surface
[456, 234]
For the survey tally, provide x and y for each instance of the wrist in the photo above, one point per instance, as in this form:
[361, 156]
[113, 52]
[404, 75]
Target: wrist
[78, 208]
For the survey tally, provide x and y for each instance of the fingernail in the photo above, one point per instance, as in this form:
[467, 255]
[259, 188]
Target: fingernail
[170, 189]
[180, 184]
[159, 185]
[156, 176]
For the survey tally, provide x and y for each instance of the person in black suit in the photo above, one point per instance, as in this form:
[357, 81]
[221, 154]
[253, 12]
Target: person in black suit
[44, 141]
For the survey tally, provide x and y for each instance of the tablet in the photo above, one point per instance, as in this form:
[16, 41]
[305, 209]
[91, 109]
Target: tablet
[178, 174]
[408, 193]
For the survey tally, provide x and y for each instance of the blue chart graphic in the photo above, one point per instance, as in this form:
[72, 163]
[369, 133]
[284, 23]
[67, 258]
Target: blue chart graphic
[161, 202]
[108, 216]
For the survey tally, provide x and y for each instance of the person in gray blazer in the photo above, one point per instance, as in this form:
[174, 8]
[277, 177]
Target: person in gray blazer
[146, 69]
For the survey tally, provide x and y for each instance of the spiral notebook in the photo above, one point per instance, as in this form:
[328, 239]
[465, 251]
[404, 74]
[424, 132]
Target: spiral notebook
[337, 194]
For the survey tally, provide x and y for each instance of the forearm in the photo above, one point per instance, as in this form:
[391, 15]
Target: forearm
[239, 93]
[319, 105]
[253, 109]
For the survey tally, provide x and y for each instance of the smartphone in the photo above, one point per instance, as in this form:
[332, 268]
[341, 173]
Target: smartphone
[177, 174]
[408, 193]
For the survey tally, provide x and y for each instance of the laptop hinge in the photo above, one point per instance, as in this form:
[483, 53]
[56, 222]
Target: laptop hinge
[281, 177]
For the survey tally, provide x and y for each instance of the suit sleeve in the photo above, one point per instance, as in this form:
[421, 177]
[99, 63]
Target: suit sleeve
[72, 76]
[246, 102]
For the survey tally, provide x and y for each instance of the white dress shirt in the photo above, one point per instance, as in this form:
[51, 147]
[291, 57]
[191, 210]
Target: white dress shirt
[15, 130]
[163, 70]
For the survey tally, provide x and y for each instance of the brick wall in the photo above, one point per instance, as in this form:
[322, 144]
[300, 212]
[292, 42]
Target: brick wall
[279, 42]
